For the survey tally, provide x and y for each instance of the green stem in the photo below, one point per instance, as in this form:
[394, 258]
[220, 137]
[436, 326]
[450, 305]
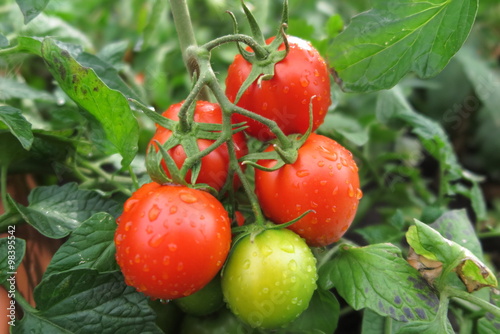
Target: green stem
[490, 234]
[184, 120]
[187, 39]
[260, 51]
[388, 325]
[135, 182]
[485, 305]
[3, 187]
[10, 219]
[107, 177]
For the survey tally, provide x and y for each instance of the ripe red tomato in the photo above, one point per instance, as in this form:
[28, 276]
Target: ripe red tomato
[171, 240]
[269, 278]
[324, 179]
[214, 166]
[285, 98]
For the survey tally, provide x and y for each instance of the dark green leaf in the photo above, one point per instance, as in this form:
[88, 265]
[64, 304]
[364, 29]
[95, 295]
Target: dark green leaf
[377, 277]
[440, 324]
[84, 301]
[377, 324]
[380, 233]
[382, 45]
[321, 316]
[89, 246]
[57, 211]
[108, 109]
[11, 254]
[18, 125]
[31, 8]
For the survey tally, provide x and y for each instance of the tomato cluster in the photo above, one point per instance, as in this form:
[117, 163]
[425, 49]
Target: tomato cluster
[173, 239]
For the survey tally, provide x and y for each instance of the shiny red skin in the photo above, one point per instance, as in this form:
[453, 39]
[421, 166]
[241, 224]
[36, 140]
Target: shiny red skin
[214, 166]
[285, 98]
[171, 240]
[324, 179]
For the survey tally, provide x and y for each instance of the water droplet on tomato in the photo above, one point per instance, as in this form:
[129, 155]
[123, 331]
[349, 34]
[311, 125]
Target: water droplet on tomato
[292, 265]
[344, 228]
[316, 73]
[359, 193]
[334, 208]
[321, 163]
[180, 266]
[302, 173]
[188, 198]
[246, 264]
[192, 223]
[314, 205]
[145, 268]
[129, 204]
[350, 190]
[156, 240]
[166, 260]
[323, 182]
[173, 209]
[339, 166]
[343, 161]
[172, 247]
[137, 258]
[287, 247]
[266, 250]
[128, 225]
[264, 106]
[154, 212]
[335, 190]
[119, 238]
[149, 229]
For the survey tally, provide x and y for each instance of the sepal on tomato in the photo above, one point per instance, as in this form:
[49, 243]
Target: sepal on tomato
[262, 64]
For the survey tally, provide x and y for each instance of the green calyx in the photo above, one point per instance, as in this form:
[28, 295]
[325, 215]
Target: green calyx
[262, 59]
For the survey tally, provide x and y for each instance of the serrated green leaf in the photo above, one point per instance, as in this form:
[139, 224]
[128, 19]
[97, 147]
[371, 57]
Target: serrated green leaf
[31, 8]
[12, 251]
[439, 325]
[18, 125]
[90, 246]
[108, 110]
[395, 37]
[56, 211]
[84, 301]
[378, 278]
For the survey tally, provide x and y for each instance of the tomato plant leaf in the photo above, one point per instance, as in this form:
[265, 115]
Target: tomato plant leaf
[12, 253]
[18, 125]
[374, 323]
[382, 45]
[85, 301]
[348, 127]
[456, 226]
[89, 246]
[321, 316]
[429, 244]
[56, 211]
[377, 277]
[10, 88]
[31, 8]
[116, 129]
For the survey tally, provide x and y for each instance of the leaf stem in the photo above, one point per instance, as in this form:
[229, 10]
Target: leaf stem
[485, 305]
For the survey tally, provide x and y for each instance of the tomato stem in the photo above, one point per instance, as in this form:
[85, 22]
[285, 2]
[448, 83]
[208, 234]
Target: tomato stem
[186, 36]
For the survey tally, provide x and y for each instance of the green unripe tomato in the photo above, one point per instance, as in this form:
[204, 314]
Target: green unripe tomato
[269, 278]
[205, 301]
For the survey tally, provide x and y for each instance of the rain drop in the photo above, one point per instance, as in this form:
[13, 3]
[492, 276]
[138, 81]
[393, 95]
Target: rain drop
[288, 248]
[292, 265]
[302, 173]
[246, 264]
[173, 209]
[172, 247]
[321, 163]
[156, 240]
[343, 161]
[188, 198]
[350, 190]
[130, 204]
[128, 225]
[304, 82]
[137, 258]
[154, 212]
[359, 193]
[335, 190]
[286, 89]
[323, 182]
[180, 266]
